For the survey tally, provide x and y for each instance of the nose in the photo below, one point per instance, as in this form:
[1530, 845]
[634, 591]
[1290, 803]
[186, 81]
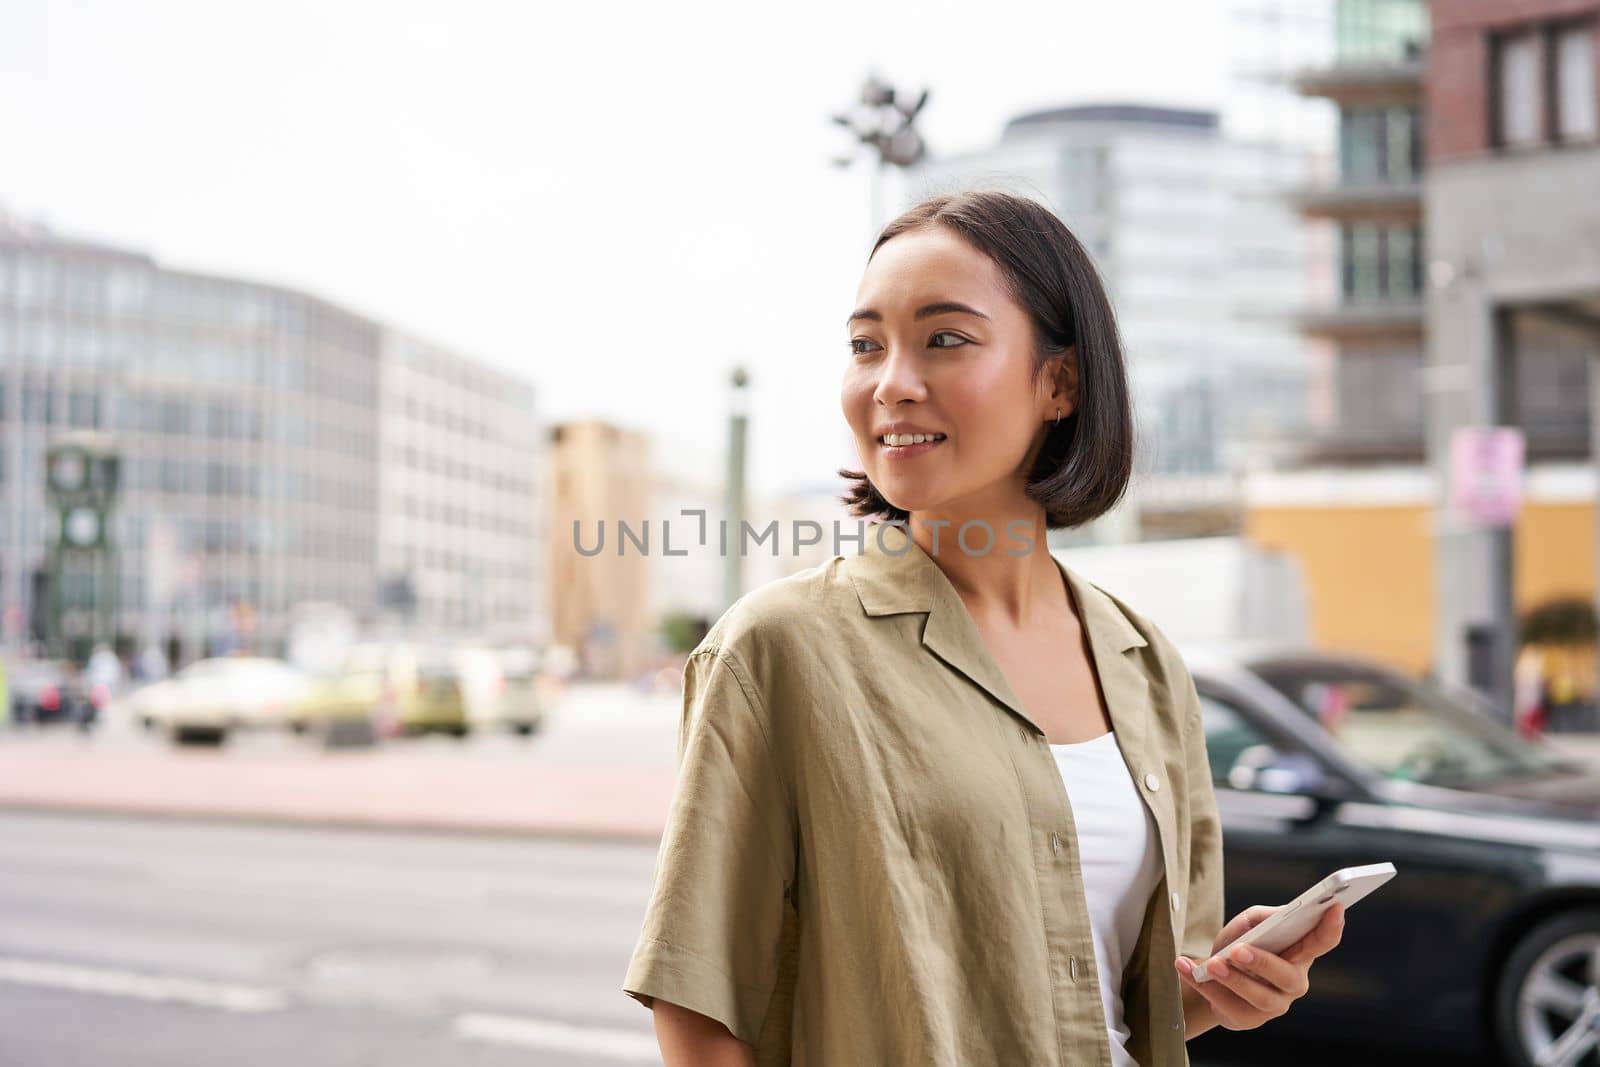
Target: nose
[899, 378]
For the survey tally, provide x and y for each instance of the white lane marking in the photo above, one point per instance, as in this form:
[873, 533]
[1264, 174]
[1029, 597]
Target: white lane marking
[547, 1034]
[118, 983]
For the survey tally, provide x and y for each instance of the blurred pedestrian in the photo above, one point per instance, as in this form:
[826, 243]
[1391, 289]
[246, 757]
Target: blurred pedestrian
[104, 668]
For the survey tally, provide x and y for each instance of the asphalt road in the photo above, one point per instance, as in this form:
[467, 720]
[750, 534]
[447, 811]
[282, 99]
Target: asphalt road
[139, 943]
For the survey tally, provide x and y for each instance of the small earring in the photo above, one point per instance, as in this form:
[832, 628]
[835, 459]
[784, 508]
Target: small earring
[1058, 416]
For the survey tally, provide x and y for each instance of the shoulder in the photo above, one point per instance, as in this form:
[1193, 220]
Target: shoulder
[786, 619]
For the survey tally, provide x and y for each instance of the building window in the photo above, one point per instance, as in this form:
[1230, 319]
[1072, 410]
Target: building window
[1380, 262]
[1379, 144]
[171, 476]
[83, 410]
[1575, 106]
[1402, 273]
[1516, 88]
[1543, 86]
[1380, 31]
[38, 404]
[174, 416]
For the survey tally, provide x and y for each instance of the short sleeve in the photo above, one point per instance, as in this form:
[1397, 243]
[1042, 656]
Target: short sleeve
[713, 930]
[1204, 915]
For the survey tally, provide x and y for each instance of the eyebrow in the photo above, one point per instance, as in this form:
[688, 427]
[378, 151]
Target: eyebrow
[942, 307]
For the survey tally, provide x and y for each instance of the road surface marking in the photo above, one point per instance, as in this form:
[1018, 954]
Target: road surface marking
[117, 983]
[546, 1034]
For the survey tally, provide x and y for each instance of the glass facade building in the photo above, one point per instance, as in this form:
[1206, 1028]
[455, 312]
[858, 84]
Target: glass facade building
[250, 422]
[1372, 317]
[1379, 31]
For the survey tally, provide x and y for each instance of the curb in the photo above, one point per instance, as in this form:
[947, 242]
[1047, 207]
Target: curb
[336, 823]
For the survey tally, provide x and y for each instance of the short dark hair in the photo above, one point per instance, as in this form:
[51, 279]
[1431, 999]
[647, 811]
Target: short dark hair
[1086, 462]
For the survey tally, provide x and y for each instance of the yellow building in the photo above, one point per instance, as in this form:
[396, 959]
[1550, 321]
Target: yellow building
[1366, 537]
[600, 605]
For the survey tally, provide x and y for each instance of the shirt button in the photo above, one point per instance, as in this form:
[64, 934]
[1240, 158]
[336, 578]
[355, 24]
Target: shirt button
[1153, 782]
[1055, 843]
[1072, 967]
[1174, 901]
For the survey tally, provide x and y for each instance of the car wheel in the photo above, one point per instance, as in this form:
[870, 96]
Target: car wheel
[199, 735]
[347, 733]
[1547, 998]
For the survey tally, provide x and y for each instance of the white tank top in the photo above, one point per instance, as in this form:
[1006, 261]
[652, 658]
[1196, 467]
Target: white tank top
[1121, 861]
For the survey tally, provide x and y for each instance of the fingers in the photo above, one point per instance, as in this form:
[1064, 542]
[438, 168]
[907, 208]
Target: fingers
[1323, 937]
[1271, 970]
[1248, 984]
[1240, 923]
[1223, 994]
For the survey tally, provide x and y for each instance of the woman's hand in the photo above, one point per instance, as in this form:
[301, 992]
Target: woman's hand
[1245, 992]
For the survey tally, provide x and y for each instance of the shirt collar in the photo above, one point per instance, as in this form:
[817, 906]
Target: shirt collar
[899, 576]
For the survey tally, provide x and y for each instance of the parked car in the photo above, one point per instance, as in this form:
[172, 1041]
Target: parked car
[398, 687]
[1486, 941]
[483, 685]
[210, 698]
[48, 691]
[506, 690]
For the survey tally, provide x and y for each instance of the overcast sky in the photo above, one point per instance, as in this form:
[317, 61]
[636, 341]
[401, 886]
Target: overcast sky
[615, 200]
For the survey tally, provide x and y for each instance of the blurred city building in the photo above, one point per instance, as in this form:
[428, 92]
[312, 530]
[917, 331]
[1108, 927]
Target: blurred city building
[1205, 263]
[461, 523]
[1374, 206]
[1357, 510]
[1454, 255]
[1512, 205]
[256, 427]
[602, 489]
[1268, 42]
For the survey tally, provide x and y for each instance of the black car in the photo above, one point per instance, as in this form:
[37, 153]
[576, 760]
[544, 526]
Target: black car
[1487, 940]
[53, 691]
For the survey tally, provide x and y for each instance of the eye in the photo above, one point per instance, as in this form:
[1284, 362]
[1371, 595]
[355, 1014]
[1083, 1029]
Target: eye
[854, 341]
[946, 333]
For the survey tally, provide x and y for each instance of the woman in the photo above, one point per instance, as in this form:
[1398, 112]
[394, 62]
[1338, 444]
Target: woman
[941, 800]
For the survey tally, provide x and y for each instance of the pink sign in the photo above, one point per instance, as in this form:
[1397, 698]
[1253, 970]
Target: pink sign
[1486, 474]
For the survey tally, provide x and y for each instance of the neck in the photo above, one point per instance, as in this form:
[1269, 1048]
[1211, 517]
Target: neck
[1001, 567]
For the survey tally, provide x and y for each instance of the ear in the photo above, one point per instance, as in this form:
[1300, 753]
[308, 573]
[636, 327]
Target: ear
[1066, 381]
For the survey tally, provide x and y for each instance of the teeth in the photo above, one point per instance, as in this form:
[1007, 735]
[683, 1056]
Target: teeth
[910, 438]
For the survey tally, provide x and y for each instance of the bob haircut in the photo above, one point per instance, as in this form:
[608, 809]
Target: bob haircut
[1086, 462]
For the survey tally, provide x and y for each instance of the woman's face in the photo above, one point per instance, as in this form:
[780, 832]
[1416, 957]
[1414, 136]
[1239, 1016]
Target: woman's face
[938, 343]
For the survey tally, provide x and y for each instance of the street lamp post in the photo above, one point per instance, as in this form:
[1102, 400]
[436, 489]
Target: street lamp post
[884, 122]
[734, 502]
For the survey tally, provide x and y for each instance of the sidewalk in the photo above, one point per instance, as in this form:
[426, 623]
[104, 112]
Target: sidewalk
[380, 790]
[602, 768]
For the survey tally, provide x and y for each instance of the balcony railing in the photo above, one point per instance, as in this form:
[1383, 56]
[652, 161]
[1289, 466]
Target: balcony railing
[1368, 201]
[1369, 82]
[1396, 319]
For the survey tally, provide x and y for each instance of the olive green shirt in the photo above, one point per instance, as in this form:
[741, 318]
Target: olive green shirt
[870, 855]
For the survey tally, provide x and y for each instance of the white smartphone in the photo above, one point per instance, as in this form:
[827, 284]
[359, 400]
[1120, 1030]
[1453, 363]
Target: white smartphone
[1301, 915]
